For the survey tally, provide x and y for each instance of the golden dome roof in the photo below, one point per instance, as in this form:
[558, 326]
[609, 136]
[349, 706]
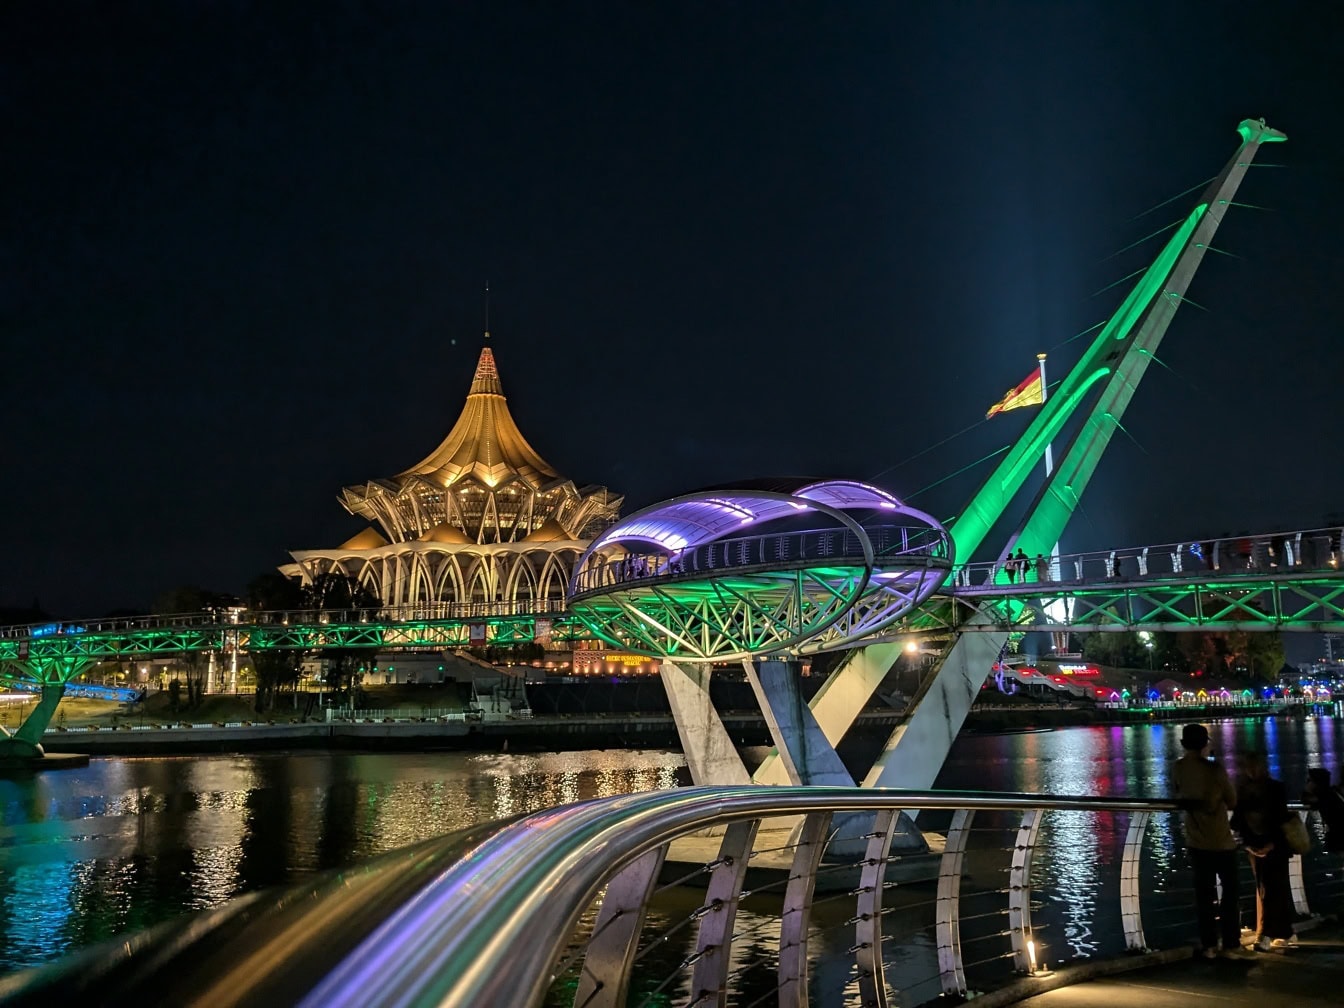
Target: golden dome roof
[368, 539]
[485, 443]
[548, 531]
[445, 533]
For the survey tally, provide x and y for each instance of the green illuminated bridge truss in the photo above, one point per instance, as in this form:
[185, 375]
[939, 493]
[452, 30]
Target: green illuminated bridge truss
[1286, 581]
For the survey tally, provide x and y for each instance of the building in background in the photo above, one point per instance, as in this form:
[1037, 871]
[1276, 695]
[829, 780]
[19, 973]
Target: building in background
[483, 519]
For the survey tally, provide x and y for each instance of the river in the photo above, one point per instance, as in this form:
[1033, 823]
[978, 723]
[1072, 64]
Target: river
[124, 843]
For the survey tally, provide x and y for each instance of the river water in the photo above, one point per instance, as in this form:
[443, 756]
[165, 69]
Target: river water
[125, 843]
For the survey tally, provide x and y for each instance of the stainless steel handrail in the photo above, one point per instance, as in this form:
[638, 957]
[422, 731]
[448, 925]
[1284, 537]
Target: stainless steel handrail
[481, 919]
[1294, 552]
[488, 930]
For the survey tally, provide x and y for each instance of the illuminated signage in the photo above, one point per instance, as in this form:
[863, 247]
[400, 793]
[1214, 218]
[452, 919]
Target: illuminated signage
[595, 656]
[1080, 670]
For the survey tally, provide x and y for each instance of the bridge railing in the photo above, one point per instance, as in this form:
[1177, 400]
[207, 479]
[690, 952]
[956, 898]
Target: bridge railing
[241, 618]
[1297, 551]
[696, 896]
[785, 549]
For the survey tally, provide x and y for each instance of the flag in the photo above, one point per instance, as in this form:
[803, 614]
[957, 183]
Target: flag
[1030, 393]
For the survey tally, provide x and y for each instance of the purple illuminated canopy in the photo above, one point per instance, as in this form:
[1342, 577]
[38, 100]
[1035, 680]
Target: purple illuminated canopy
[702, 517]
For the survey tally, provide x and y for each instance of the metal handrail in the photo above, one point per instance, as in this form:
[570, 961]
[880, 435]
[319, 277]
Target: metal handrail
[245, 618]
[1293, 552]
[481, 919]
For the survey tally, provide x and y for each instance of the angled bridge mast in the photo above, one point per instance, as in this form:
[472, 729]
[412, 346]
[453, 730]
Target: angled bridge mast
[1113, 365]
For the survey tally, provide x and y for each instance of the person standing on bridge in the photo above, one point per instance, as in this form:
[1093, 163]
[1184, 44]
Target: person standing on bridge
[1042, 568]
[1259, 818]
[1205, 795]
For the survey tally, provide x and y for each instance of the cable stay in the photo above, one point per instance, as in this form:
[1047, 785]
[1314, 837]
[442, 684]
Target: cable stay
[1128, 276]
[994, 454]
[1166, 227]
[1079, 336]
[1159, 206]
[925, 451]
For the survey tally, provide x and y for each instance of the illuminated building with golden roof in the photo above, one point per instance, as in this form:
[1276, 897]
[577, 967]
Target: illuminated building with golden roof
[482, 519]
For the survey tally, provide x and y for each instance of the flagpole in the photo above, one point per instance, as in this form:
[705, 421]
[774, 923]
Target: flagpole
[1049, 452]
[1061, 639]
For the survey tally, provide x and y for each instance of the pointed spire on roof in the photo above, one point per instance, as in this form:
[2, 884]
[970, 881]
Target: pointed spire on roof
[486, 381]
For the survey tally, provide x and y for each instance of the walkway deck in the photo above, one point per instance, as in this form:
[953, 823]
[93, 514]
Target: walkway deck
[1307, 975]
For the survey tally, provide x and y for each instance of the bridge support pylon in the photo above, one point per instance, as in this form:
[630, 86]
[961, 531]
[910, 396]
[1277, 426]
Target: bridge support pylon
[805, 753]
[710, 753]
[23, 749]
[918, 747]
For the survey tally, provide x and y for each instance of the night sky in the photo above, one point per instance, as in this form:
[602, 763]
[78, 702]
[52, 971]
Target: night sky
[243, 247]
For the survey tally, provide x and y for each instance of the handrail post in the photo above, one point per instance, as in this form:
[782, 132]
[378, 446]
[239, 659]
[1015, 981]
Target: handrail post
[868, 911]
[797, 912]
[1295, 880]
[713, 944]
[948, 906]
[1131, 900]
[1019, 893]
[605, 979]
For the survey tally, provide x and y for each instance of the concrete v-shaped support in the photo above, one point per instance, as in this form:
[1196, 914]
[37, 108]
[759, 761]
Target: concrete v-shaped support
[710, 753]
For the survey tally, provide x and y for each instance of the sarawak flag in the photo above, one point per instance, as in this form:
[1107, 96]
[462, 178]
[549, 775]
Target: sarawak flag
[1030, 393]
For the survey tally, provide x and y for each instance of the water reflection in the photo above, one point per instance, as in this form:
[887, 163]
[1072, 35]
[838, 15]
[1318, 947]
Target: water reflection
[126, 843]
[1075, 871]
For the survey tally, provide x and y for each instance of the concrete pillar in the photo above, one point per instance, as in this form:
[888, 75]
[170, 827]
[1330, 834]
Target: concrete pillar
[710, 753]
[804, 753]
[26, 743]
[916, 750]
[840, 699]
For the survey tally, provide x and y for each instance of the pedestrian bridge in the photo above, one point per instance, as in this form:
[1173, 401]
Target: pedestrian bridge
[709, 896]
[1286, 581]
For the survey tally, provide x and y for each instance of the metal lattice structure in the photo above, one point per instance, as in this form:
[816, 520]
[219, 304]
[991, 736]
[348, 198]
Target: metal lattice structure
[61, 655]
[675, 580]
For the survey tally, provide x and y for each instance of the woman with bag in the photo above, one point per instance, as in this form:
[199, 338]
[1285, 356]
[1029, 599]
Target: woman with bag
[1262, 810]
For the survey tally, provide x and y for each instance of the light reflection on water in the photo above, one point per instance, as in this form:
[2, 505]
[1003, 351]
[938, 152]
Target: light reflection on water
[125, 843]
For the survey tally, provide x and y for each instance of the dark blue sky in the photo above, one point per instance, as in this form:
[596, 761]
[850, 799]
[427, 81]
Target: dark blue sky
[242, 247]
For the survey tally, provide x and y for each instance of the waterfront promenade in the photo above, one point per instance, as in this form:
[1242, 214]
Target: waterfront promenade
[1306, 975]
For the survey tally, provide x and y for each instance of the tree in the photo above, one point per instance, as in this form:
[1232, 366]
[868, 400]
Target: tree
[1119, 650]
[190, 599]
[344, 594]
[273, 592]
[1255, 656]
[275, 671]
[196, 664]
[339, 591]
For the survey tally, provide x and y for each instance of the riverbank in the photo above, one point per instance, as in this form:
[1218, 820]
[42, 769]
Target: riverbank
[998, 720]
[565, 733]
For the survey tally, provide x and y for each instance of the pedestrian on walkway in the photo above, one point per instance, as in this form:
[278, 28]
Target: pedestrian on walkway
[1320, 797]
[1042, 568]
[1261, 811]
[1205, 794]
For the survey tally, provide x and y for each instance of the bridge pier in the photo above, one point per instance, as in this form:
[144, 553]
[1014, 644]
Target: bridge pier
[710, 753]
[23, 749]
[839, 701]
[803, 751]
[916, 750]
